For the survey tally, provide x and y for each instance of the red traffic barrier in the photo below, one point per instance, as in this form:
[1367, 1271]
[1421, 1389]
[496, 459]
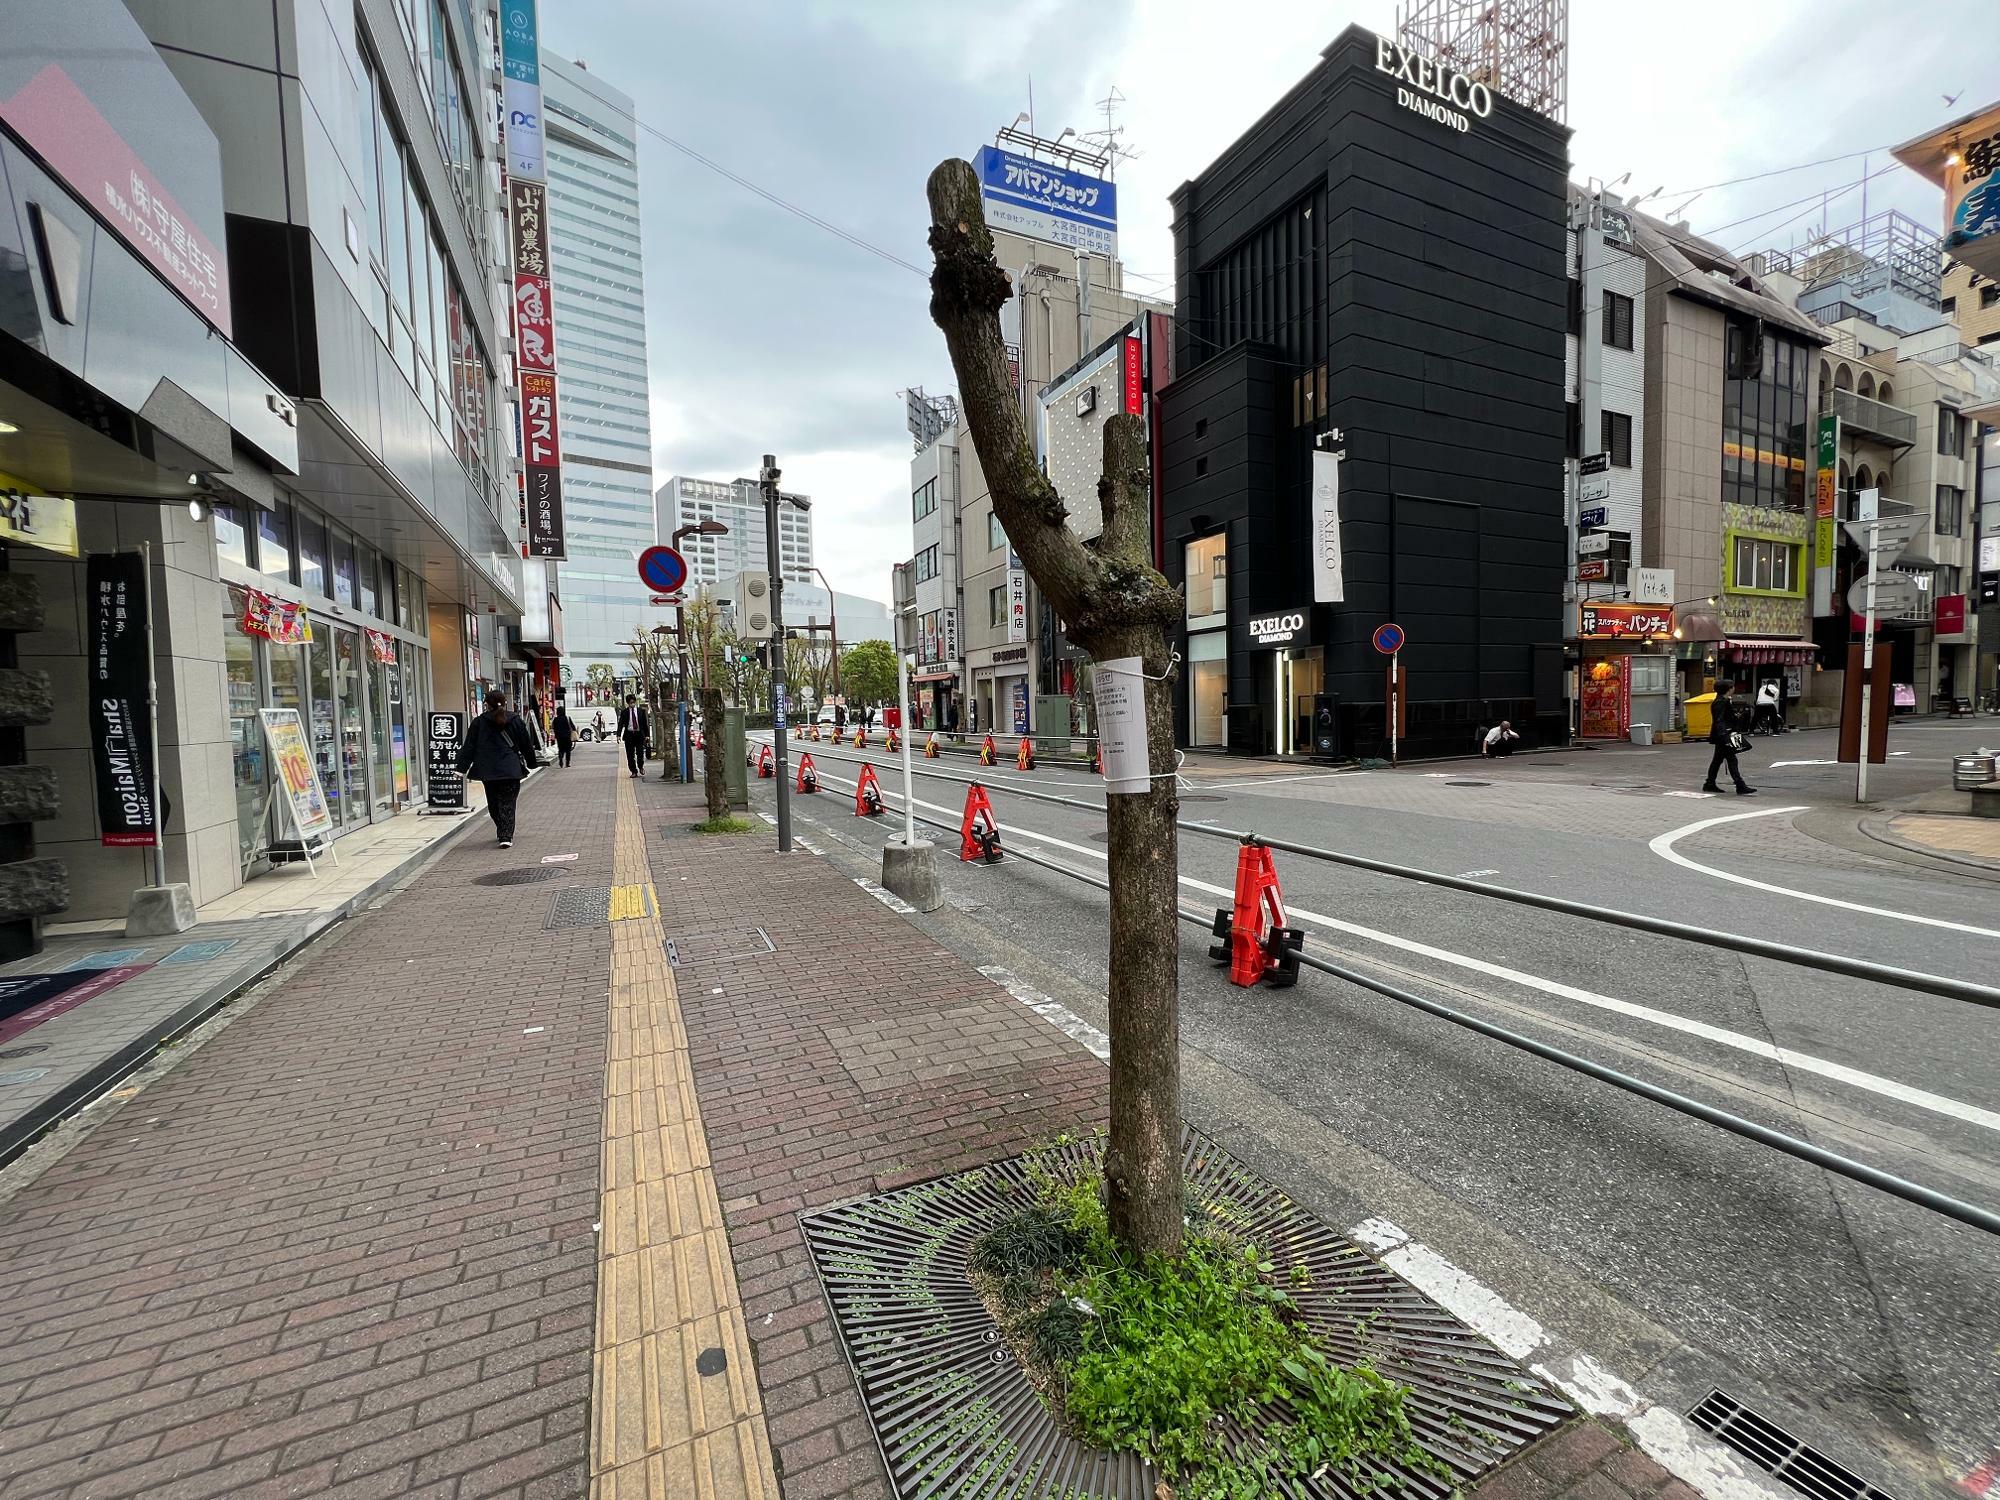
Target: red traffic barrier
[860, 738]
[815, 734]
[986, 752]
[1024, 758]
[765, 765]
[979, 834]
[1255, 941]
[930, 747]
[895, 744]
[698, 744]
[808, 780]
[867, 794]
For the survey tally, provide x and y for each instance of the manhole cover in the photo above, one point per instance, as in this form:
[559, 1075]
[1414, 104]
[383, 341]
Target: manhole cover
[533, 875]
[951, 1407]
[1468, 783]
[579, 906]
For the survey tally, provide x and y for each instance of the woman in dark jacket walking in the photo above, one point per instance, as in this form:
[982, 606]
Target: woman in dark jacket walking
[1726, 733]
[565, 728]
[498, 751]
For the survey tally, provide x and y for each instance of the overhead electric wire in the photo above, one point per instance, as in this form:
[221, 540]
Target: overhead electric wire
[1824, 161]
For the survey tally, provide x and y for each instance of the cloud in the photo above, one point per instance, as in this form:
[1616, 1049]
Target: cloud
[769, 334]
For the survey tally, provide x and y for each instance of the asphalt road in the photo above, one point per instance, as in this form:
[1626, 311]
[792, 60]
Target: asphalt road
[1679, 1256]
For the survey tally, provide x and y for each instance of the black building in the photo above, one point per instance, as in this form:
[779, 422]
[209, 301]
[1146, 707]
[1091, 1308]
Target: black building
[1382, 254]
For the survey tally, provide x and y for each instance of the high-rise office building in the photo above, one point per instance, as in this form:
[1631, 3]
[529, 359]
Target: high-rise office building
[600, 299]
[737, 503]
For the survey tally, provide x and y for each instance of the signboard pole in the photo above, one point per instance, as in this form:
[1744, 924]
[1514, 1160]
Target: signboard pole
[1867, 668]
[1395, 659]
[909, 728]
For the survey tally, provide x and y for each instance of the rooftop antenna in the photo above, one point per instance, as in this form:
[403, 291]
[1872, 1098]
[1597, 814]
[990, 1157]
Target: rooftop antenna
[1108, 140]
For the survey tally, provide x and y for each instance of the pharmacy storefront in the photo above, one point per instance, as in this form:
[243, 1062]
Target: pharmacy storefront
[317, 621]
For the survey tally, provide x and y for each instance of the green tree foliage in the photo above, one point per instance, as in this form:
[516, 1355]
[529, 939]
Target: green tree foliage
[868, 673]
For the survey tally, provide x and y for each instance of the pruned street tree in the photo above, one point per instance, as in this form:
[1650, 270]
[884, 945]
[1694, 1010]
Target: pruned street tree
[868, 672]
[701, 631]
[1115, 604]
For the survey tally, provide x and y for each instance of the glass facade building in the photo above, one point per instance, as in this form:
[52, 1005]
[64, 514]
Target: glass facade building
[600, 316]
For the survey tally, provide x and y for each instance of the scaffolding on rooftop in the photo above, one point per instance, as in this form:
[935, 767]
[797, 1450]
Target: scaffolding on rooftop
[1519, 48]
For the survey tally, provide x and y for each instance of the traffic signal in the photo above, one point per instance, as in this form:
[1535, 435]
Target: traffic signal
[753, 604]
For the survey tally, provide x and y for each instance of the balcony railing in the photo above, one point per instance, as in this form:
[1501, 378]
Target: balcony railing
[1876, 418]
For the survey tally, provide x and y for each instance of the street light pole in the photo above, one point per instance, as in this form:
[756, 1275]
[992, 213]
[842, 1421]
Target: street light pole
[833, 630]
[768, 478]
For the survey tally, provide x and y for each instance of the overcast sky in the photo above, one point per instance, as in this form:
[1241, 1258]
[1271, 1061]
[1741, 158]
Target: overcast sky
[767, 333]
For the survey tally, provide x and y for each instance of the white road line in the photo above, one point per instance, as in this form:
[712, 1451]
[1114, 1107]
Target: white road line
[887, 897]
[1058, 1015]
[1664, 847]
[1661, 1433]
[1803, 1062]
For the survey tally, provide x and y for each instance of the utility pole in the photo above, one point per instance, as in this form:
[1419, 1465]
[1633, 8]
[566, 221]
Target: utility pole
[832, 630]
[1868, 662]
[768, 478]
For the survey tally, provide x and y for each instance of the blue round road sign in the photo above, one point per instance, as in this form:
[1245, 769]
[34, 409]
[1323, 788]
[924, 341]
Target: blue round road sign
[1388, 639]
[662, 569]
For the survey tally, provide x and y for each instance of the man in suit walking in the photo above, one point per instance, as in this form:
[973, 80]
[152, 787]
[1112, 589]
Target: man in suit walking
[635, 729]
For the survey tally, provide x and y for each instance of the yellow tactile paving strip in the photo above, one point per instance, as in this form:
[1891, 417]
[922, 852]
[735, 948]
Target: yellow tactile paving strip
[666, 1291]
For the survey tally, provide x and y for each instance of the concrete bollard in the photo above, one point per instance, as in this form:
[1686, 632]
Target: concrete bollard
[910, 871]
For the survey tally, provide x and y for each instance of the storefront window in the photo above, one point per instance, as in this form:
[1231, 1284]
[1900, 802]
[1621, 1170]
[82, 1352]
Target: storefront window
[232, 541]
[246, 732]
[343, 569]
[1207, 580]
[1208, 687]
[382, 688]
[274, 542]
[416, 690]
[312, 552]
[364, 561]
[353, 720]
[322, 728]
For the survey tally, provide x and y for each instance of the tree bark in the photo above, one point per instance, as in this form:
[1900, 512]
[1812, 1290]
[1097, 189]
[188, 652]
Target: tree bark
[1115, 605]
[712, 783]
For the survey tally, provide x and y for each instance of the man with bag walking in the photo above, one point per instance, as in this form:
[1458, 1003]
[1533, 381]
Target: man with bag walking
[634, 729]
[498, 751]
[1726, 733]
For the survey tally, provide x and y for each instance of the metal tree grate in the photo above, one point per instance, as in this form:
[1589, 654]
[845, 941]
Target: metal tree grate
[580, 906]
[532, 875]
[1777, 1452]
[955, 1414]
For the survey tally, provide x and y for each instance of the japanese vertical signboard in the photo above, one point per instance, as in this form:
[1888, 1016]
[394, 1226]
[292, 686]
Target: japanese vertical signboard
[121, 741]
[1826, 461]
[542, 455]
[1017, 599]
[441, 741]
[1135, 376]
[534, 298]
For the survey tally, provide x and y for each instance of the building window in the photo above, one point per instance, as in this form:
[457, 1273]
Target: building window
[1207, 563]
[924, 502]
[1617, 321]
[1947, 582]
[1574, 312]
[1764, 427]
[1949, 306]
[996, 606]
[1615, 433]
[312, 553]
[927, 563]
[1951, 433]
[1573, 430]
[232, 542]
[1763, 565]
[274, 542]
[1950, 518]
[1989, 295]
[996, 534]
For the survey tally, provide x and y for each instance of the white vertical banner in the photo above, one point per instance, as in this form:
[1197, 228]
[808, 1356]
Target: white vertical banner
[1329, 578]
[1118, 689]
[1017, 600]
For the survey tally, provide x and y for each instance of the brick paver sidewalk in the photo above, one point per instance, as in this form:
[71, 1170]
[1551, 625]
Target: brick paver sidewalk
[347, 1247]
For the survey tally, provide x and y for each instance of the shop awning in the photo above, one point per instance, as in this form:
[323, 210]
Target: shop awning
[1757, 650]
[933, 676]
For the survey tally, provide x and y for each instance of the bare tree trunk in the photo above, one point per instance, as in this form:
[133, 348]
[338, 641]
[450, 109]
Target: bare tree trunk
[712, 782]
[1116, 605]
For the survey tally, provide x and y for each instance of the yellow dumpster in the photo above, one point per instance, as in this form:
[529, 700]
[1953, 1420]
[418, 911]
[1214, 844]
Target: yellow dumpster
[1700, 715]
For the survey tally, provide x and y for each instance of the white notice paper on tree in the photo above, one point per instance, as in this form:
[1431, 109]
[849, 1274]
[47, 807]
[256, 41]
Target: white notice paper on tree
[1120, 691]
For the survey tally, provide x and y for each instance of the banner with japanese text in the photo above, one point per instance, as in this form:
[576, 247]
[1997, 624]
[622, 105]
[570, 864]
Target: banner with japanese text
[121, 735]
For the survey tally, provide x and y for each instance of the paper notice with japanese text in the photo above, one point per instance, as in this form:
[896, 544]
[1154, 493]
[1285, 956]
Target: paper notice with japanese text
[1120, 691]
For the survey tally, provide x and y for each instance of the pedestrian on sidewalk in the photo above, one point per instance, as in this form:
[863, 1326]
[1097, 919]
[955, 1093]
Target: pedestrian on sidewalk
[635, 731]
[497, 751]
[1500, 740]
[565, 734]
[1769, 717]
[1726, 733]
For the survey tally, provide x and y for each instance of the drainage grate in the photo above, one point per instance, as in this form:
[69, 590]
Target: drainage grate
[1468, 783]
[1202, 797]
[718, 947]
[580, 906]
[532, 875]
[1777, 1452]
[954, 1413]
